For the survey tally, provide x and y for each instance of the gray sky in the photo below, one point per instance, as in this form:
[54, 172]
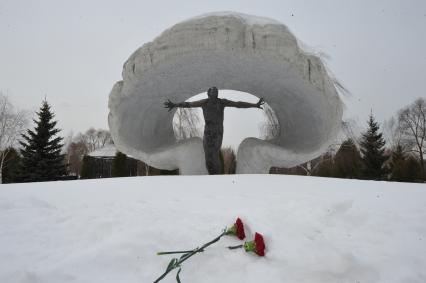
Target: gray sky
[73, 51]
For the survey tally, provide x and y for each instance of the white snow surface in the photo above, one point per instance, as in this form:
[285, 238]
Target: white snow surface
[316, 229]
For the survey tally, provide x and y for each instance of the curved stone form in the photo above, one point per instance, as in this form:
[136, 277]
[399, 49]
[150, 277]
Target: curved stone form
[230, 51]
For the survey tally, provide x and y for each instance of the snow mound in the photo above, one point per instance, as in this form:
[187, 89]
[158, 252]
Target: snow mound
[316, 229]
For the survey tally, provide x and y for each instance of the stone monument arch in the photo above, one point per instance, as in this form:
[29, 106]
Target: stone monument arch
[230, 51]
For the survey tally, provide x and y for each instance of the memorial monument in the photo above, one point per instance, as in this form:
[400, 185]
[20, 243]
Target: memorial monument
[230, 51]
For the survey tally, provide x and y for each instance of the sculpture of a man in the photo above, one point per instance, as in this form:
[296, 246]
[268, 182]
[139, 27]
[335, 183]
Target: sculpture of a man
[213, 109]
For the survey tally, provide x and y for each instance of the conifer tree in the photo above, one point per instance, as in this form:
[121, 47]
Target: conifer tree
[372, 149]
[41, 154]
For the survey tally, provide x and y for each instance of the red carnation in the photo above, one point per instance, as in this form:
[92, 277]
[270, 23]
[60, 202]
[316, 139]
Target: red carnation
[237, 229]
[257, 245]
[240, 229]
[260, 244]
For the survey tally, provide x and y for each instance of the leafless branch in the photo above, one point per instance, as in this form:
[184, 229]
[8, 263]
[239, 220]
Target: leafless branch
[12, 125]
[412, 124]
[187, 123]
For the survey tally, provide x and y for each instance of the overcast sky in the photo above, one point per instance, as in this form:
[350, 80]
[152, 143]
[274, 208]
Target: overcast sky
[73, 51]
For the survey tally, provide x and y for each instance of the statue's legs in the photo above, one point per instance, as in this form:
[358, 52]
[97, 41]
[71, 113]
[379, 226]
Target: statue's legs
[212, 142]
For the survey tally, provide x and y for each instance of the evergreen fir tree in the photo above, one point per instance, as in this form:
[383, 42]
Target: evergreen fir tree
[41, 154]
[119, 165]
[372, 149]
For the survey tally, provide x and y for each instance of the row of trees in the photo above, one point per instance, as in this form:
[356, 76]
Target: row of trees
[46, 156]
[369, 158]
[43, 155]
[40, 157]
[407, 146]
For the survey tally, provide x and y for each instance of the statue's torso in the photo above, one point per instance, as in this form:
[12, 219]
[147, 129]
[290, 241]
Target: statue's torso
[213, 111]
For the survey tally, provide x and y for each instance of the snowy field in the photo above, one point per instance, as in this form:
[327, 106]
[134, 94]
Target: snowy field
[316, 229]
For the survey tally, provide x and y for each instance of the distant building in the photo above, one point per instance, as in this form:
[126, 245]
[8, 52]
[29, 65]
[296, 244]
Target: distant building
[99, 165]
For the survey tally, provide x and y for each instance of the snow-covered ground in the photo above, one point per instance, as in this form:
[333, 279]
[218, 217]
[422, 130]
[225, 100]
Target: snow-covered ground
[316, 229]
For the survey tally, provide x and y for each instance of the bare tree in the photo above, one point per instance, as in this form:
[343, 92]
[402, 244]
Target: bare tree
[103, 138]
[12, 125]
[90, 139]
[350, 130]
[229, 160]
[412, 121]
[94, 139]
[393, 133]
[187, 123]
[74, 155]
[83, 144]
[311, 166]
[306, 167]
[67, 141]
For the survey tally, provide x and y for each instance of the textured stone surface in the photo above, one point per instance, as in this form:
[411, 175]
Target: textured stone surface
[230, 51]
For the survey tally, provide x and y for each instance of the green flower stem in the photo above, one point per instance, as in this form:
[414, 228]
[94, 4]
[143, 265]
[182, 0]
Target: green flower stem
[248, 246]
[177, 275]
[235, 247]
[175, 252]
[185, 257]
[175, 263]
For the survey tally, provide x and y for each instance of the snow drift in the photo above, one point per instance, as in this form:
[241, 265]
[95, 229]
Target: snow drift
[316, 229]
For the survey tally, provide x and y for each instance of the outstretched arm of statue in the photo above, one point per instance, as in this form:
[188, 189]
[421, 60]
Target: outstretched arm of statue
[171, 105]
[241, 104]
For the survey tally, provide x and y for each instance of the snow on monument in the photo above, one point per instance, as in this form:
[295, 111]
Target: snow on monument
[230, 51]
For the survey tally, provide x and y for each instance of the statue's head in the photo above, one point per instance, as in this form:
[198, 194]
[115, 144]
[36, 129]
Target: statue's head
[212, 92]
